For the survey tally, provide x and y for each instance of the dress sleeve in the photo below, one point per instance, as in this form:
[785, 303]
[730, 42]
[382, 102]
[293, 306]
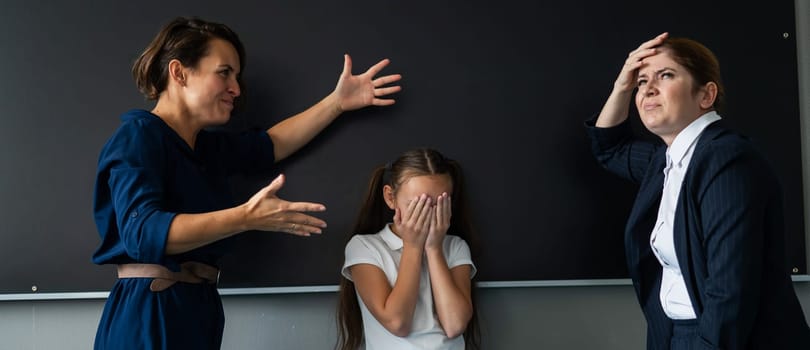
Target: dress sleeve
[136, 162]
[360, 251]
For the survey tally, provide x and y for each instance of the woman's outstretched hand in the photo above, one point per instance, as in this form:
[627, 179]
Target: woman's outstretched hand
[266, 212]
[358, 91]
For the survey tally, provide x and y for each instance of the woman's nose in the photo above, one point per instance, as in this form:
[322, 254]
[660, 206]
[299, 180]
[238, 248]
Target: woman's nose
[650, 89]
[234, 89]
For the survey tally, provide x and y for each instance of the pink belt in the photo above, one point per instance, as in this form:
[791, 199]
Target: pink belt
[162, 277]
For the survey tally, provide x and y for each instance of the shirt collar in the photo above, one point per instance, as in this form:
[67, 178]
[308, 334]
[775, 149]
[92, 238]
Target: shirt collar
[687, 137]
[133, 114]
[391, 239]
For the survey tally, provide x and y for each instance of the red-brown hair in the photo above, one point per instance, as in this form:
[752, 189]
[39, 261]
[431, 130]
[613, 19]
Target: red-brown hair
[700, 62]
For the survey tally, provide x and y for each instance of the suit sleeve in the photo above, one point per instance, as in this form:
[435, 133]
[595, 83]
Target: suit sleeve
[618, 152]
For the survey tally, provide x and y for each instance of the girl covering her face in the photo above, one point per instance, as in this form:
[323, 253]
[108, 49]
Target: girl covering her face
[407, 275]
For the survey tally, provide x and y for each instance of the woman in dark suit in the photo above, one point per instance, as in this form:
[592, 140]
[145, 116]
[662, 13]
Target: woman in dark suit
[705, 240]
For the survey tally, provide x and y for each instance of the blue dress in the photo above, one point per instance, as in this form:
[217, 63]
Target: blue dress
[146, 175]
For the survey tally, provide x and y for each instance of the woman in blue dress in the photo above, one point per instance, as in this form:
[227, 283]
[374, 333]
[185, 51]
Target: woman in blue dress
[162, 204]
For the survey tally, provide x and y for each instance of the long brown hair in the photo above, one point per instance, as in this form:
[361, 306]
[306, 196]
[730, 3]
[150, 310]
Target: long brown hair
[375, 214]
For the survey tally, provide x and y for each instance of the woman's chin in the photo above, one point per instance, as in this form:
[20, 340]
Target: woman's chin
[223, 117]
[218, 120]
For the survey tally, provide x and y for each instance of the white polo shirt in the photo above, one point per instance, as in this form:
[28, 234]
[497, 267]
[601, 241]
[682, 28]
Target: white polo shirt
[384, 250]
[674, 296]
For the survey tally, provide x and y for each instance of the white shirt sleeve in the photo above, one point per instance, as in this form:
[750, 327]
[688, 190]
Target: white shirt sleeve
[359, 251]
[457, 253]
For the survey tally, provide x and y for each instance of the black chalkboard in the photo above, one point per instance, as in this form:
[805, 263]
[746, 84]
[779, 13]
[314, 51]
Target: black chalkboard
[501, 86]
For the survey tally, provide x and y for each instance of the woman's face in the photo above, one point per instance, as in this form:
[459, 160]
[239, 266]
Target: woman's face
[211, 87]
[413, 187]
[666, 100]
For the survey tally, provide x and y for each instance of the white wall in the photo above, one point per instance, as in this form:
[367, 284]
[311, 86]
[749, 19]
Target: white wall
[596, 317]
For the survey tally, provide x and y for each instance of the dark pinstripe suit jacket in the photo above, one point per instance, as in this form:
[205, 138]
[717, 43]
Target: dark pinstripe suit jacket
[729, 240]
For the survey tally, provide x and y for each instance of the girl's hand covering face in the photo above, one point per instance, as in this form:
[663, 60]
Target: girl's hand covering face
[440, 222]
[413, 224]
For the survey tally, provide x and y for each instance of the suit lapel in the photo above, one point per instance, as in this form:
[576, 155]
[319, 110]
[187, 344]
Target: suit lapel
[685, 224]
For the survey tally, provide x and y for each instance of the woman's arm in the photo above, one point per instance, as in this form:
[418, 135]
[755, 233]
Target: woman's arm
[617, 106]
[352, 92]
[264, 212]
